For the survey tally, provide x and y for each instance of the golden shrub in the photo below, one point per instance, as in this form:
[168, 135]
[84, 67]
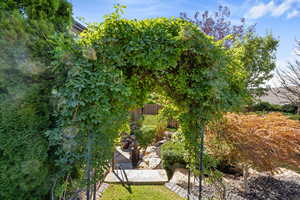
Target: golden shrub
[264, 142]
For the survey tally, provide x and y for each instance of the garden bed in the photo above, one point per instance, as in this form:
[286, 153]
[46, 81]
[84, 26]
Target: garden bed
[282, 186]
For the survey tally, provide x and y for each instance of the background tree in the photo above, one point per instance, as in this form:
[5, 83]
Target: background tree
[259, 58]
[289, 81]
[219, 26]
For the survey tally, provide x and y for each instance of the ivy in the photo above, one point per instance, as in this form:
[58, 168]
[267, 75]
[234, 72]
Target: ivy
[117, 64]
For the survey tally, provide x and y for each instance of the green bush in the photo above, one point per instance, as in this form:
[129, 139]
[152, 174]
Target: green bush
[265, 106]
[155, 123]
[293, 116]
[24, 166]
[172, 154]
[289, 108]
[145, 136]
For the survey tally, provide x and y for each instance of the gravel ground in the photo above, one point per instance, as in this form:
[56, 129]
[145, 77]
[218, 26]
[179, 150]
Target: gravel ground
[283, 186]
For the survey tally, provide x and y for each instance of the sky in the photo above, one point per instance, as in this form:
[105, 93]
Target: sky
[279, 17]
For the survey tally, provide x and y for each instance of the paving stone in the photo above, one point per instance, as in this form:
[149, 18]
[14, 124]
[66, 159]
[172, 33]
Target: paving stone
[179, 190]
[124, 165]
[101, 189]
[135, 176]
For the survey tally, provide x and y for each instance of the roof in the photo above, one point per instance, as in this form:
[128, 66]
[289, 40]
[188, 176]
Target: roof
[77, 27]
[276, 96]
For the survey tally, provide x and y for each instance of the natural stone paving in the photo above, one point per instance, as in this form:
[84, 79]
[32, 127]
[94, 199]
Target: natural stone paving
[101, 189]
[180, 191]
[151, 159]
[135, 176]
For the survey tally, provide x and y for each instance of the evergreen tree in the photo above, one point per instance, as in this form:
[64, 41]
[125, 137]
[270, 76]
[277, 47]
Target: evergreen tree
[26, 81]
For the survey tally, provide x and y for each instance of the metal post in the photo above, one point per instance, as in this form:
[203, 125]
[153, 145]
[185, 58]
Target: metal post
[95, 191]
[201, 160]
[88, 170]
[95, 185]
[189, 182]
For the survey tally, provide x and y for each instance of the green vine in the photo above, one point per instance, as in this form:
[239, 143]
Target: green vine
[117, 64]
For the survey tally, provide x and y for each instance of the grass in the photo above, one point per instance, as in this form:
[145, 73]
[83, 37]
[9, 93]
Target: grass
[292, 116]
[151, 120]
[289, 115]
[139, 192]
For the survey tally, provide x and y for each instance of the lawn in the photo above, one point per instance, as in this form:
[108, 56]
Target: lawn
[144, 192]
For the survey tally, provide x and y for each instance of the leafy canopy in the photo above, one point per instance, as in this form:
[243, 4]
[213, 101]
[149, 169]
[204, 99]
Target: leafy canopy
[123, 61]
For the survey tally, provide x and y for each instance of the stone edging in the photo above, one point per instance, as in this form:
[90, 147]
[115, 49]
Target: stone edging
[180, 191]
[101, 189]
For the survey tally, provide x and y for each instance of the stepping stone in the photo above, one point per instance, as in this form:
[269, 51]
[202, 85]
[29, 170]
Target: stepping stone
[125, 165]
[122, 159]
[135, 176]
[124, 153]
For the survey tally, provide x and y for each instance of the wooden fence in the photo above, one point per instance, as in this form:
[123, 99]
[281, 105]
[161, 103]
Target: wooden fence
[152, 109]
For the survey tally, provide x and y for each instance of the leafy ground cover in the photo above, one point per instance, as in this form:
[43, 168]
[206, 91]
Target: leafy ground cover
[145, 192]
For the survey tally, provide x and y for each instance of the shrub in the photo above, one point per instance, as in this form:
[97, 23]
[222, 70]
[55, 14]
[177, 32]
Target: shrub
[265, 106]
[158, 124]
[24, 162]
[172, 154]
[145, 136]
[263, 142]
[289, 108]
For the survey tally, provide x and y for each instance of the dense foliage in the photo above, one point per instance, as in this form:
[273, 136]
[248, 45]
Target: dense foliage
[259, 61]
[24, 165]
[27, 161]
[267, 107]
[259, 57]
[90, 86]
[126, 60]
[173, 154]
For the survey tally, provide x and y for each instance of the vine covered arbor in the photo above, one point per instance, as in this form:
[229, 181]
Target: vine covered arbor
[116, 64]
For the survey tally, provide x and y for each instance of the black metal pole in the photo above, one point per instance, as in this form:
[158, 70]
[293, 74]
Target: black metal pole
[201, 160]
[95, 191]
[189, 182]
[88, 170]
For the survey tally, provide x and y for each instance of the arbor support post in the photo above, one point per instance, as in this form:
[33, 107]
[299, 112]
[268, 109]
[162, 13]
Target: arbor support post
[201, 168]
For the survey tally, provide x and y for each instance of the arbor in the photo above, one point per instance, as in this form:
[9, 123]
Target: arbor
[259, 57]
[119, 62]
[289, 80]
[93, 82]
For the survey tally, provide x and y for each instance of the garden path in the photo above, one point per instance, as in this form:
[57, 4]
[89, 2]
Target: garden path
[123, 169]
